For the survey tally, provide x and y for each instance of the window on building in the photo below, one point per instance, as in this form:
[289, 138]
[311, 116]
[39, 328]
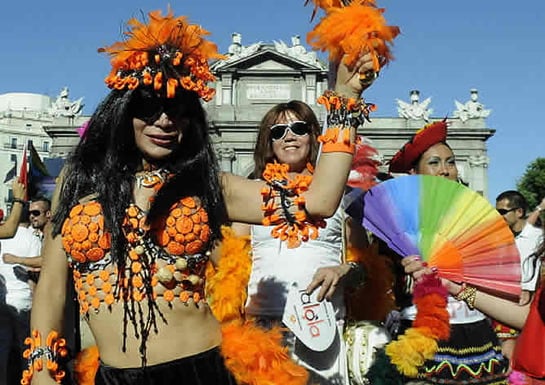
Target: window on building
[13, 157]
[45, 146]
[13, 143]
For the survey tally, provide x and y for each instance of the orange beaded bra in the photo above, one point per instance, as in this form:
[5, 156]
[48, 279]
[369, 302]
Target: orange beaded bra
[165, 260]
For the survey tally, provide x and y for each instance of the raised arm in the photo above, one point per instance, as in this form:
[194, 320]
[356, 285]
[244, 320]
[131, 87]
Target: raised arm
[534, 215]
[9, 228]
[49, 296]
[502, 310]
[243, 197]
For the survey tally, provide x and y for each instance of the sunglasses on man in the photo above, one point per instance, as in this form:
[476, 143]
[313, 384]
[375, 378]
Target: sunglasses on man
[298, 127]
[35, 213]
[506, 211]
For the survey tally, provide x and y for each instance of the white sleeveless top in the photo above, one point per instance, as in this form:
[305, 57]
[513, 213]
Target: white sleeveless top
[275, 267]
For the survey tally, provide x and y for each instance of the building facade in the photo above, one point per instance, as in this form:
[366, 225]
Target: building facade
[250, 81]
[23, 119]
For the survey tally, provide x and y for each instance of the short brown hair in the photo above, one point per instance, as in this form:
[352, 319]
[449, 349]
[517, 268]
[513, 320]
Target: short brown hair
[263, 152]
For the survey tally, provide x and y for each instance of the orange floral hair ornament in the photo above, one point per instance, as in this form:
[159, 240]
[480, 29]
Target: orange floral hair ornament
[165, 53]
[353, 27]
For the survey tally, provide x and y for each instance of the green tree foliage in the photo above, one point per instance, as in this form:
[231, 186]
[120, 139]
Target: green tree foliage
[532, 183]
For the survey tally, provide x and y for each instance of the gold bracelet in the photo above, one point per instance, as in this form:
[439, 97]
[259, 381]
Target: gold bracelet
[468, 294]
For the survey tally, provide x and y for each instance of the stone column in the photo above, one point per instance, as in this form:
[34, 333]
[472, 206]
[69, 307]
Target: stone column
[226, 89]
[478, 165]
[310, 81]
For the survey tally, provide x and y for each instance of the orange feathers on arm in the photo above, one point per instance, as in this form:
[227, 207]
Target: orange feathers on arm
[351, 30]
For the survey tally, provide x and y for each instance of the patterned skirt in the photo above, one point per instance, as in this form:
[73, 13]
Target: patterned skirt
[472, 355]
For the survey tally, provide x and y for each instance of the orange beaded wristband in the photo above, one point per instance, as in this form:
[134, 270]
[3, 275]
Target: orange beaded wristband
[54, 349]
[343, 114]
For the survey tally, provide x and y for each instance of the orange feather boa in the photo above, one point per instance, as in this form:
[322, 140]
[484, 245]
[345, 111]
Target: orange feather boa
[255, 356]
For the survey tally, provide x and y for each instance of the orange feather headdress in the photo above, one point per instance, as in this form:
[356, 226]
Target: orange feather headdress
[353, 27]
[165, 53]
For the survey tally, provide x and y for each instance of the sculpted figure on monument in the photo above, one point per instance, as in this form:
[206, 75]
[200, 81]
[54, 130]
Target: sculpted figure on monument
[414, 110]
[472, 109]
[63, 106]
[298, 51]
[236, 50]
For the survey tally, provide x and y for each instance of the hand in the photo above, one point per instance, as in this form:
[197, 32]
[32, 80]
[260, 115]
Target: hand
[414, 266]
[9, 258]
[541, 205]
[525, 297]
[19, 190]
[417, 268]
[348, 81]
[327, 278]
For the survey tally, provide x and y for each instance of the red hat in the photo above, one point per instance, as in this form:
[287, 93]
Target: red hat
[424, 138]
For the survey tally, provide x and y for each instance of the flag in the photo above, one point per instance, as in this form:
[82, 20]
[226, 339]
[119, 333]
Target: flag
[23, 172]
[11, 174]
[40, 181]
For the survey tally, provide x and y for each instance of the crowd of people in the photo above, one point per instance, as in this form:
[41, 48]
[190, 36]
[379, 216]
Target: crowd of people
[140, 218]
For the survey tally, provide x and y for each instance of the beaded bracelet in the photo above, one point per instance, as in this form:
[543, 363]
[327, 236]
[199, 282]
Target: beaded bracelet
[468, 294]
[21, 201]
[342, 114]
[53, 351]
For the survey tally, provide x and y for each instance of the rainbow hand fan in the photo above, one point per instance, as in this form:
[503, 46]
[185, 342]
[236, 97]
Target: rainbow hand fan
[450, 226]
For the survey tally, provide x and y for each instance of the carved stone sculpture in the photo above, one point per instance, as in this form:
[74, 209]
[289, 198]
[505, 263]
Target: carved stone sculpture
[63, 106]
[415, 110]
[472, 109]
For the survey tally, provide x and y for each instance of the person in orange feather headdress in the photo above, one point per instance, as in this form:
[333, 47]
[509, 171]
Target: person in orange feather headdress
[140, 205]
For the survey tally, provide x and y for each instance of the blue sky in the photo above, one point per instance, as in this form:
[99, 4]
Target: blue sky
[445, 49]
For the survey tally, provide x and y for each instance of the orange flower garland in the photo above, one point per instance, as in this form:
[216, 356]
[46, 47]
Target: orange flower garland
[293, 227]
[166, 53]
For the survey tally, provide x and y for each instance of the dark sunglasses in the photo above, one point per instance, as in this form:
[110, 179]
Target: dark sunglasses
[150, 109]
[505, 211]
[35, 213]
[298, 127]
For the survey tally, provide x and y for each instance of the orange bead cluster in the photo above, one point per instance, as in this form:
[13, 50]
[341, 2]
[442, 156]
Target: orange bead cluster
[185, 230]
[292, 227]
[83, 235]
[54, 349]
[93, 288]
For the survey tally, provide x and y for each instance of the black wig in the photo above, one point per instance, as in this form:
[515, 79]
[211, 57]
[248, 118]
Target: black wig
[106, 160]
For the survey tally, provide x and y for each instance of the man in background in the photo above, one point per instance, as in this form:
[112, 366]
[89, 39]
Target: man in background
[40, 214]
[513, 207]
[18, 300]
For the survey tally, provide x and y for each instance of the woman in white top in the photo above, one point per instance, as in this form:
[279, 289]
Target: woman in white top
[288, 134]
